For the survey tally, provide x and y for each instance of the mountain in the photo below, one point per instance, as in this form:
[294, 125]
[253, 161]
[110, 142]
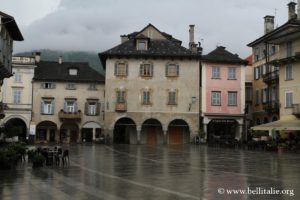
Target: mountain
[68, 56]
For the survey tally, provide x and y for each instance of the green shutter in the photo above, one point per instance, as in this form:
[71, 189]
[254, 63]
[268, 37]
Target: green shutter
[141, 70]
[86, 108]
[166, 70]
[42, 107]
[126, 69]
[53, 107]
[151, 69]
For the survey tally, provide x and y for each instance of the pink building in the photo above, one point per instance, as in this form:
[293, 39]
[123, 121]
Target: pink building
[223, 95]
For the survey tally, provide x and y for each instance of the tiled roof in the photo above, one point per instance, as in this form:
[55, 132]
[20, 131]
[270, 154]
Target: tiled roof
[11, 26]
[158, 48]
[249, 60]
[221, 55]
[53, 71]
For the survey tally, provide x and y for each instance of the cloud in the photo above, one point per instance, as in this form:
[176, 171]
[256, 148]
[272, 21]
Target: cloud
[96, 25]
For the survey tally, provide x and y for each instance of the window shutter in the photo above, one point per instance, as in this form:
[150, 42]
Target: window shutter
[151, 69]
[177, 68]
[42, 107]
[126, 69]
[76, 106]
[116, 68]
[65, 106]
[98, 108]
[86, 108]
[166, 70]
[53, 107]
[141, 70]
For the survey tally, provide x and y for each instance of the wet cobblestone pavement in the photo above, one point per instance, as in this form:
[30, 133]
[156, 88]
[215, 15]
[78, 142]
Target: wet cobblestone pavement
[125, 172]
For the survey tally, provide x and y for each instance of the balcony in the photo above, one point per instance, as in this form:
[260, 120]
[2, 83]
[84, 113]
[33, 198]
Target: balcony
[296, 110]
[271, 77]
[271, 107]
[76, 116]
[121, 107]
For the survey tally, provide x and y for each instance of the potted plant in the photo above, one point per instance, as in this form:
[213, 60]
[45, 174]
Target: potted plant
[38, 161]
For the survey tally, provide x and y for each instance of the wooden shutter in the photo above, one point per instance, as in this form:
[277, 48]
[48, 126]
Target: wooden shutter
[166, 69]
[141, 70]
[65, 106]
[116, 68]
[177, 70]
[98, 108]
[53, 106]
[126, 68]
[42, 107]
[86, 108]
[151, 70]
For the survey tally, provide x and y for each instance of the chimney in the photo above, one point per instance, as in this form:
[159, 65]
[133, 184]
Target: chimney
[269, 23]
[124, 38]
[292, 10]
[37, 56]
[60, 60]
[192, 41]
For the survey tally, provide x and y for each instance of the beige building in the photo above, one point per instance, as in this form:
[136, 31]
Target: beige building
[17, 95]
[152, 89]
[68, 103]
[265, 102]
[9, 31]
[287, 37]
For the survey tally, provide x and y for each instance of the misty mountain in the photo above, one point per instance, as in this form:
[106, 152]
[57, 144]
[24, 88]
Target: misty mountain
[68, 56]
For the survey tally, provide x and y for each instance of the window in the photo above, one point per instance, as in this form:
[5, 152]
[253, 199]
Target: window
[41, 134]
[256, 73]
[265, 95]
[216, 72]
[47, 106]
[70, 106]
[92, 86]
[172, 70]
[121, 69]
[146, 98]
[71, 86]
[17, 92]
[92, 108]
[263, 69]
[232, 98]
[120, 96]
[172, 98]
[288, 72]
[18, 77]
[73, 72]
[231, 73]
[248, 93]
[48, 85]
[141, 45]
[256, 54]
[288, 99]
[289, 49]
[216, 98]
[257, 97]
[146, 70]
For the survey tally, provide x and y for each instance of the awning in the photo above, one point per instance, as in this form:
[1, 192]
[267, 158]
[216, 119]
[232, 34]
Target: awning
[287, 123]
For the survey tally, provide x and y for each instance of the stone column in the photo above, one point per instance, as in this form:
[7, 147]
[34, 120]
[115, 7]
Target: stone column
[205, 131]
[94, 134]
[165, 131]
[138, 134]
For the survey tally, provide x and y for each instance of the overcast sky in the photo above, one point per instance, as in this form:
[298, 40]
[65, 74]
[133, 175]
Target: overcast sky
[96, 25]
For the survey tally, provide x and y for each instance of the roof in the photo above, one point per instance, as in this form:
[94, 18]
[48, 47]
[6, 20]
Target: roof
[11, 26]
[53, 71]
[221, 55]
[291, 23]
[158, 48]
[249, 60]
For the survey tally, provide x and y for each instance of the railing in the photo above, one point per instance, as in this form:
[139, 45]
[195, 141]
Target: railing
[69, 115]
[296, 110]
[271, 106]
[22, 60]
[121, 107]
[271, 77]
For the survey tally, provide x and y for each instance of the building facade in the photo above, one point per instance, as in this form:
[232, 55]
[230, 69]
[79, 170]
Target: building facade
[68, 103]
[266, 102]
[9, 31]
[17, 96]
[223, 95]
[152, 89]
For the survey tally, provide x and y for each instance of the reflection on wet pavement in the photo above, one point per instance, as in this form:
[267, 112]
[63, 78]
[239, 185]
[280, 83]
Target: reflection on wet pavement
[156, 172]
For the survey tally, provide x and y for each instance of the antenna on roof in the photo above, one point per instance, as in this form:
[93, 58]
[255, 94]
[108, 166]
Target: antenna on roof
[275, 20]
